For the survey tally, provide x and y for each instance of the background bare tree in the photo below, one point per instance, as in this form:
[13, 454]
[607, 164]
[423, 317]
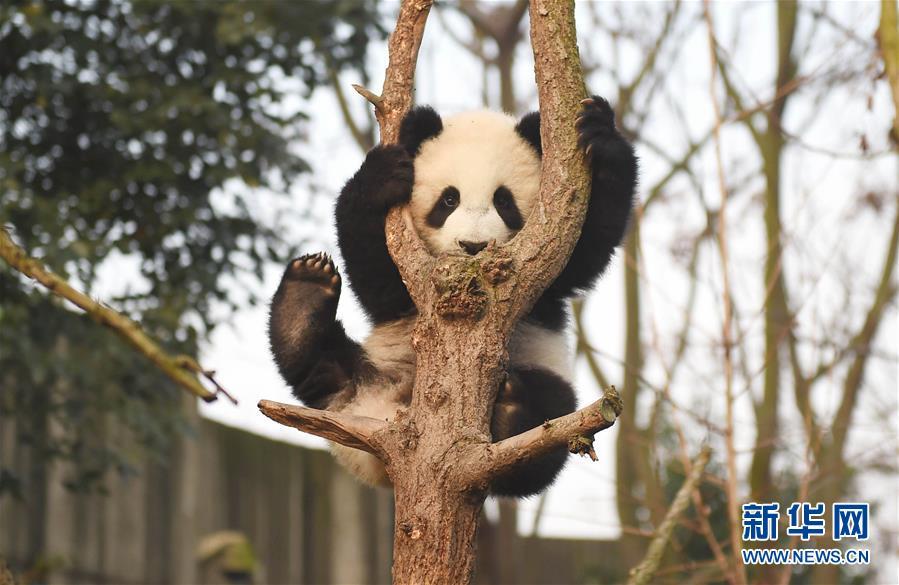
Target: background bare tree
[795, 357]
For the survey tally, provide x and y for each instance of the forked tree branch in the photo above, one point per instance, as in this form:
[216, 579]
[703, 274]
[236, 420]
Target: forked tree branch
[183, 370]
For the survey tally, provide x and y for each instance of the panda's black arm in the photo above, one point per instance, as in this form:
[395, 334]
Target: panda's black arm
[313, 352]
[383, 181]
[614, 171]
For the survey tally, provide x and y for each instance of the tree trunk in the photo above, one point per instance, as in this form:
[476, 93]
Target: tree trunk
[438, 547]
[436, 514]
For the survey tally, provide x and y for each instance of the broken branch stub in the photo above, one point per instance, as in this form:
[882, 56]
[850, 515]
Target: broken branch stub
[357, 432]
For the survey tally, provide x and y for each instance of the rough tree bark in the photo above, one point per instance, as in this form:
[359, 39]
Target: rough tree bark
[438, 453]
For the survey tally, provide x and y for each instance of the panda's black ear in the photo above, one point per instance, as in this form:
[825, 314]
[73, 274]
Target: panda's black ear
[529, 129]
[420, 123]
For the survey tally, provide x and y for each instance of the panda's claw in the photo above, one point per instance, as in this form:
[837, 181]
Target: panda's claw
[318, 269]
[595, 124]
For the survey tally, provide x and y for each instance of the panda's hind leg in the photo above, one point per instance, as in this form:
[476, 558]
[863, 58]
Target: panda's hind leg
[310, 346]
[528, 398]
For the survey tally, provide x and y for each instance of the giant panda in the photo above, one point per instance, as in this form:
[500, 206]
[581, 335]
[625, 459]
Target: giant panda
[468, 179]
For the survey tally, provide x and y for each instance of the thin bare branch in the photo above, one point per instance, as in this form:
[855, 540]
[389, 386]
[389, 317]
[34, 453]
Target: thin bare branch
[733, 502]
[362, 136]
[643, 573]
[373, 98]
[626, 93]
[583, 346]
[702, 515]
[861, 342]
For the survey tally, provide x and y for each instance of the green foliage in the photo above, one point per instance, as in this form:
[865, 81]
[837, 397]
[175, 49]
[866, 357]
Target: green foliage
[140, 129]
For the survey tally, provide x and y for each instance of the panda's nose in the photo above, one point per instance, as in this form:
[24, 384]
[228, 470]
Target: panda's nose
[472, 248]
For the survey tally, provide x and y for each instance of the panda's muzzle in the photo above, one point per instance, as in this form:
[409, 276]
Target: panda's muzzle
[472, 248]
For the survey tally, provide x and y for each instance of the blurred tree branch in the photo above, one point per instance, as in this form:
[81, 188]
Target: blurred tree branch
[727, 320]
[502, 24]
[861, 341]
[583, 346]
[364, 136]
[183, 370]
[644, 572]
[888, 40]
[626, 92]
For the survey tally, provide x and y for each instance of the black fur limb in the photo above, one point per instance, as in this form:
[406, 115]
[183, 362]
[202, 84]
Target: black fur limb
[529, 398]
[384, 181]
[614, 168]
[313, 353]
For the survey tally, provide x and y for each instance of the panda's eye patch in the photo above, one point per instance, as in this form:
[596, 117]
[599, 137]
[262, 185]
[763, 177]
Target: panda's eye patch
[450, 197]
[502, 197]
[504, 202]
[443, 208]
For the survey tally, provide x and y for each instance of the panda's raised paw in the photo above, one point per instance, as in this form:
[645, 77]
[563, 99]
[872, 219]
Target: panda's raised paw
[316, 269]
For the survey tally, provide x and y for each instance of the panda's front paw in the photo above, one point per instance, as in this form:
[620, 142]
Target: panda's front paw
[316, 269]
[597, 135]
[391, 170]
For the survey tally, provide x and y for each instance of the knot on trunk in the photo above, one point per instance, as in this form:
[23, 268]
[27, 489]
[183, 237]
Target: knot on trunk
[498, 270]
[460, 291]
[411, 528]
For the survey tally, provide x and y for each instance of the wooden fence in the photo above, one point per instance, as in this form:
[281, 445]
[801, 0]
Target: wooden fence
[305, 518]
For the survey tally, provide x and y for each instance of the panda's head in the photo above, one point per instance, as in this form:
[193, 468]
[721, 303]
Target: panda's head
[477, 176]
